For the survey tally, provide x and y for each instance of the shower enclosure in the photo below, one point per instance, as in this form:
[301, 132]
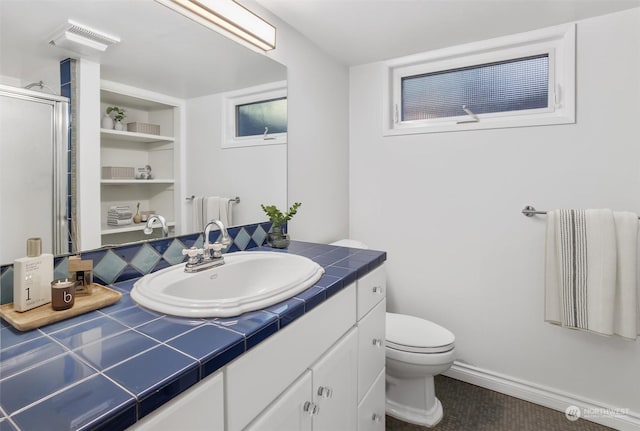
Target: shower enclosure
[33, 171]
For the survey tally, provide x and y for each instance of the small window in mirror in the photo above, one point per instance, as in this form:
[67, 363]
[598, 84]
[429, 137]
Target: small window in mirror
[261, 118]
[256, 116]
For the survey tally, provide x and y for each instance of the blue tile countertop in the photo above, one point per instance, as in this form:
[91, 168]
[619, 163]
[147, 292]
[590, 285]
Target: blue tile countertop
[106, 369]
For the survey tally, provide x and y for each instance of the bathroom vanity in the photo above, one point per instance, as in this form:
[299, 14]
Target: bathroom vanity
[312, 362]
[323, 372]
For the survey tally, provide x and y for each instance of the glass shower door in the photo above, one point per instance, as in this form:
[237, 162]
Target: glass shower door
[31, 193]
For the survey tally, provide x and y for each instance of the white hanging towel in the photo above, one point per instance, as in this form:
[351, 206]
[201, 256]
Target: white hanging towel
[212, 209]
[627, 313]
[198, 215]
[226, 211]
[590, 265]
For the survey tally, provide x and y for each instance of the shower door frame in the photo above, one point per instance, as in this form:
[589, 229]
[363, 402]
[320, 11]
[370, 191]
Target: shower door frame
[60, 141]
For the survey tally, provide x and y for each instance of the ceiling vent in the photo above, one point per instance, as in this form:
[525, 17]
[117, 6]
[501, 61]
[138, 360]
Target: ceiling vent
[81, 39]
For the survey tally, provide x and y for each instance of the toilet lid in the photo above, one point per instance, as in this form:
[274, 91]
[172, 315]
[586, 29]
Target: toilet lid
[413, 334]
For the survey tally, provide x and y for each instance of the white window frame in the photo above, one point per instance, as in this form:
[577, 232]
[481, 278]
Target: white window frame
[558, 42]
[259, 93]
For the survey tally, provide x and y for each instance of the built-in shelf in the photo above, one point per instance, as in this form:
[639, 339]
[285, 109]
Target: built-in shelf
[158, 181]
[107, 229]
[143, 138]
[122, 148]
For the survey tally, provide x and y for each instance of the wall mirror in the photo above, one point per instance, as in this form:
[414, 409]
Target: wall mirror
[159, 52]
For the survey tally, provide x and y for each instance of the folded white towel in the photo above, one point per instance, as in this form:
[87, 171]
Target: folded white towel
[590, 264]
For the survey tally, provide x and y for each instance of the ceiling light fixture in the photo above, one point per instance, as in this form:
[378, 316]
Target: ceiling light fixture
[229, 18]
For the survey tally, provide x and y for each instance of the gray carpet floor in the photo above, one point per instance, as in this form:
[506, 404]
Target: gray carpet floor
[472, 408]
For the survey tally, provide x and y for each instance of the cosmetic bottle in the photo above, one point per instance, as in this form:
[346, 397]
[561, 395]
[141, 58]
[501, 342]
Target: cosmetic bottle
[32, 276]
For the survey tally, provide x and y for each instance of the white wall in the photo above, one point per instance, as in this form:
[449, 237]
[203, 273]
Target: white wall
[318, 150]
[258, 175]
[446, 207]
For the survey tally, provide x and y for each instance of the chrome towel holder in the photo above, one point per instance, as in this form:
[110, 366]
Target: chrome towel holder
[530, 211]
[235, 200]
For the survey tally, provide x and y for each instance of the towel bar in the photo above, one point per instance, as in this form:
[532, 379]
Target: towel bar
[530, 211]
[234, 200]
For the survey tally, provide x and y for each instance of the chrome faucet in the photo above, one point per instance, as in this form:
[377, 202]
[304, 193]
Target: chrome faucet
[148, 229]
[210, 254]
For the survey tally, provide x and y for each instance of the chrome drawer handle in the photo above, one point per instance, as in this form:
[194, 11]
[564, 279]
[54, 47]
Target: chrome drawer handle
[377, 289]
[376, 417]
[377, 342]
[325, 392]
[310, 408]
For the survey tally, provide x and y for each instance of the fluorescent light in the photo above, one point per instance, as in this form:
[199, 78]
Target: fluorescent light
[229, 18]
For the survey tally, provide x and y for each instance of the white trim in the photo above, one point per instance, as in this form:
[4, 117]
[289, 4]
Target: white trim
[558, 42]
[542, 395]
[230, 100]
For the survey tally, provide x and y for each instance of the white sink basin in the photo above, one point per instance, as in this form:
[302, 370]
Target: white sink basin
[247, 281]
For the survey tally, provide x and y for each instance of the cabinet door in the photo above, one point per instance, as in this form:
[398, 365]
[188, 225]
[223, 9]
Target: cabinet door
[292, 411]
[200, 408]
[372, 408]
[335, 386]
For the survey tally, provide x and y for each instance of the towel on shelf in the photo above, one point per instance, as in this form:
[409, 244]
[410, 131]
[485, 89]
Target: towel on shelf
[590, 267]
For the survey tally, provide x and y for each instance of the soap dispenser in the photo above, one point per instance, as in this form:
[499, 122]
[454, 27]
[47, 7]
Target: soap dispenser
[32, 276]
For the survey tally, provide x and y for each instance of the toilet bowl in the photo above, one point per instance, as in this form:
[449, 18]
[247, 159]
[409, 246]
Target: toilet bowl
[416, 351]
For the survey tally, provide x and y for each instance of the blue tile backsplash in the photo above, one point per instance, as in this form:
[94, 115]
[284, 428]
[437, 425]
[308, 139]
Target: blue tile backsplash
[108, 368]
[115, 264]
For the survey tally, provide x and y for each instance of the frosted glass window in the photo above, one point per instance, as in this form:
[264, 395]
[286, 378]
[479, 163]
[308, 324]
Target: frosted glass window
[254, 118]
[505, 86]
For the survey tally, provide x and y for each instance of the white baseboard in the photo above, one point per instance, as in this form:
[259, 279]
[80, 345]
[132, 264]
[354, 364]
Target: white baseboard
[545, 396]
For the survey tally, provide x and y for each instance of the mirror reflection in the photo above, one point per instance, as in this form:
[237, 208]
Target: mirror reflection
[175, 153]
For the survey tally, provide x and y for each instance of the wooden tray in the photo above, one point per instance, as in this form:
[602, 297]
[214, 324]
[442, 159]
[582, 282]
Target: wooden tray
[45, 314]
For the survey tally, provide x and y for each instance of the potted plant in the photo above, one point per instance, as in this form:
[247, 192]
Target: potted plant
[278, 237]
[118, 115]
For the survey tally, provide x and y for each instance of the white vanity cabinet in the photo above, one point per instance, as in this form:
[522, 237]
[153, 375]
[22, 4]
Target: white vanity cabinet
[260, 376]
[138, 149]
[323, 372]
[322, 399]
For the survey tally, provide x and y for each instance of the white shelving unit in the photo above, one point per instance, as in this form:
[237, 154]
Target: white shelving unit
[136, 150]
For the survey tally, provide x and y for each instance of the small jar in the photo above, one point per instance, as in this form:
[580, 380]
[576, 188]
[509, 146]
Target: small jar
[62, 294]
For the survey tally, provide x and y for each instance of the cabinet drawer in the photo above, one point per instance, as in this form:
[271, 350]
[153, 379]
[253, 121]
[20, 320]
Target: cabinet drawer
[372, 288]
[371, 350]
[256, 378]
[371, 410]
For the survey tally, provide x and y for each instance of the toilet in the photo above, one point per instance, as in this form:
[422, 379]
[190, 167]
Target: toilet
[416, 351]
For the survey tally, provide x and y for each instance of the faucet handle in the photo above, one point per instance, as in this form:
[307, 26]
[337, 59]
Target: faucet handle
[193, 254]
[216, 247]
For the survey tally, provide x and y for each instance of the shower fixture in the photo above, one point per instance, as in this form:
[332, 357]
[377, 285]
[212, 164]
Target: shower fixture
[42, 86]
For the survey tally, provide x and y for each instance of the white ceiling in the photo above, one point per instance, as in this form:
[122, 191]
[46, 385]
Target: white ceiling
[363, 31]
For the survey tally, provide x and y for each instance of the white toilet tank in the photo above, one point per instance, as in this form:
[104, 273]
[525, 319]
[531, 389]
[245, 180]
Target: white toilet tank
[352, 243]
